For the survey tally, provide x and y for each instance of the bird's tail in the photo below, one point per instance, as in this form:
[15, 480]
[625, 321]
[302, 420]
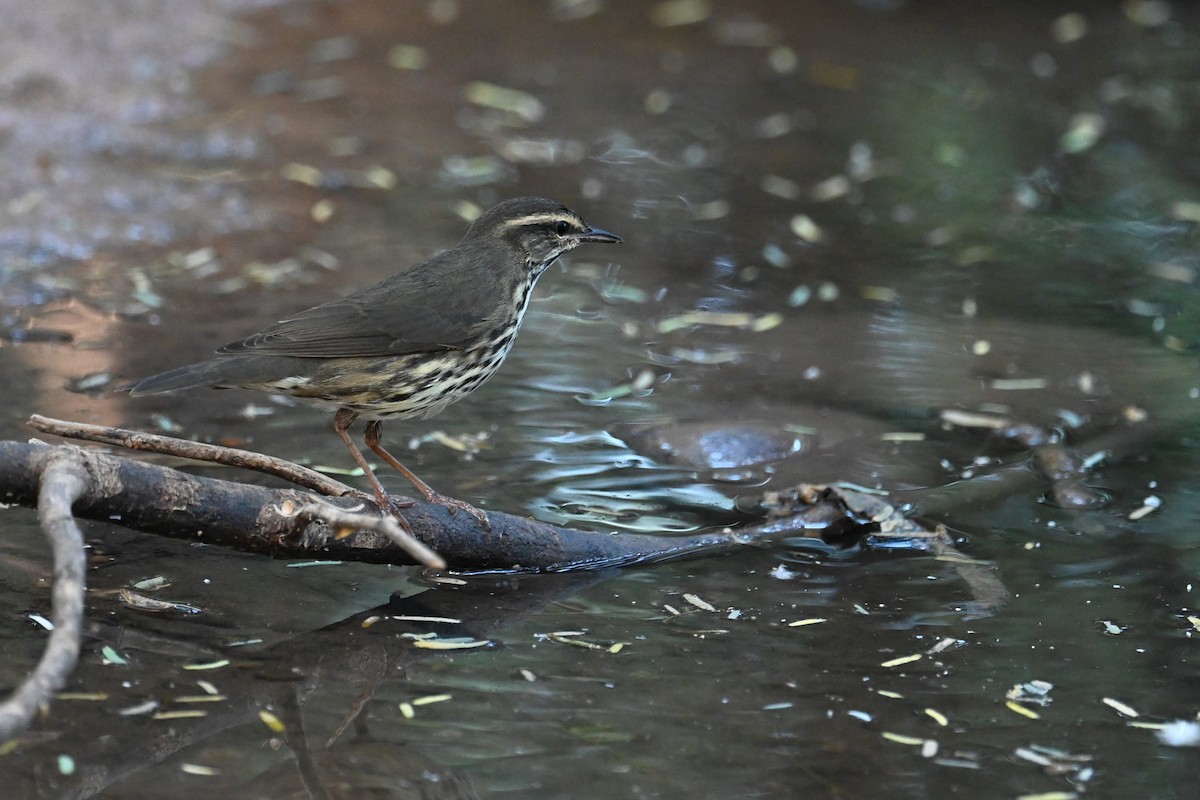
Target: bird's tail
[204, 374]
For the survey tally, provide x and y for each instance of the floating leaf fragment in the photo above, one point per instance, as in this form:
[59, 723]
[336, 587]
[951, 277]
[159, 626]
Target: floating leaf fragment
[696, 601]
[111, 656]
[169, 715]
[82, 696]
[800, 623]
[514, 101]
[271, 721]
[450, 644]
[40, 620]
[1119, 707]
[898, 662]
[408, 56]
[806, 229]
[141, 708]
[198, 769]
[673, 13]
[66, 765]
[1149, 506]
[1083, 131]
[407, 711]
[431, 698]
[218, 664]
[937, 716]
[1069, 28]
[898, 738]
[1017, 708]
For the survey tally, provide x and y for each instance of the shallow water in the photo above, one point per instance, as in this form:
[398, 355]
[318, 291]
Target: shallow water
[910, 210]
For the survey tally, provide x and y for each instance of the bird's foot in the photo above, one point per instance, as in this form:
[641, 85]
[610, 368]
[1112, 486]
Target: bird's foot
[385, 502]
[455, 505]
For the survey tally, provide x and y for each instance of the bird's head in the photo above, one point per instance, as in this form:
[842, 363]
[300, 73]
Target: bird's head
[539, 230]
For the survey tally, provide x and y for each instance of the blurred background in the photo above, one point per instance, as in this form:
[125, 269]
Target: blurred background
[841, 219]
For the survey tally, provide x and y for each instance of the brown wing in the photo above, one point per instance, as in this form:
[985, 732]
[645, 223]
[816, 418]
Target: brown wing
[436, 305]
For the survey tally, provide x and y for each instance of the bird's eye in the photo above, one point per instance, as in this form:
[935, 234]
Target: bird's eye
[562, 227]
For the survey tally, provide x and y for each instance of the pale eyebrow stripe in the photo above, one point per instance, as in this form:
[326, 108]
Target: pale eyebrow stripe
[536, 219]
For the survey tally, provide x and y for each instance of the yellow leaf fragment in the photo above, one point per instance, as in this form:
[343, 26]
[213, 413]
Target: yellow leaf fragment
[271, 721]
[1017, 708]
[442, 644]
[197, 714]
[407, 711]
[431, 698]
[898, 662]
[1119, 707]
[218, 664]
[199, 698]
[937, 716]
[899, 738]
[800, 623]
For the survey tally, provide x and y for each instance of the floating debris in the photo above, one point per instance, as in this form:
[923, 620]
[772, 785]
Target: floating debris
[696, 601]
[271, 721]
[780, 186]
[1120, 707]
[806, 229]
[1017, 708]
[1082, 133]
[111, 656]
[800, 623]
[725, 319]
[831, 189]
[1019, 384]
[522, 105]
[40, 620]
[783, 60]
[899, 738]
[1069, 28]
[899, 662]
[143, 603]
[937, 717]
[673, 13]
[408, 56]
[198, 769]
[1149, 506]
[451, 644]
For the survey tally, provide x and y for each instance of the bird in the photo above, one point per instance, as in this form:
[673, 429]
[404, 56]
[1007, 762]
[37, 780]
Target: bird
[408, 346]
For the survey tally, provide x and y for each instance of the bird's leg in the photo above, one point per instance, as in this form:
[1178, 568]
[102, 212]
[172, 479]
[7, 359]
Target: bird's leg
[371, 437]
[342, 421]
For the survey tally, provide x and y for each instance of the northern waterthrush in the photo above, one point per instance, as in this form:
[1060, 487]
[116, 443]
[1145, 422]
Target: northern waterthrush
[410, 345]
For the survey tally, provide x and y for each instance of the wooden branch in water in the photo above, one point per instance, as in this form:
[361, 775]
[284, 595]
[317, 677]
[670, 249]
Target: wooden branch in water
[63, 480]
[160, 500]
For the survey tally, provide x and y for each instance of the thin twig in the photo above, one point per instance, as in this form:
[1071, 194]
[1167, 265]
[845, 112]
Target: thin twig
[63, 481]
[389, 526]
[197, 451]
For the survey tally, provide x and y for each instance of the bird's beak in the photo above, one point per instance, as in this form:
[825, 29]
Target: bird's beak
[598, 235]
